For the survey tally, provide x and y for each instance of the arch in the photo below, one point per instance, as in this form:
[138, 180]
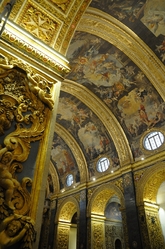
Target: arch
[67, 209]
[101, 197]
[149, 184]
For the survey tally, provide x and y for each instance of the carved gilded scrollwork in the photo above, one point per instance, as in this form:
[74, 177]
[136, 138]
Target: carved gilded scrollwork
[98, 236]
[113, 232]
[154, 228]
[61, 3]
[63, 238]
[15, 228]
[24, 101]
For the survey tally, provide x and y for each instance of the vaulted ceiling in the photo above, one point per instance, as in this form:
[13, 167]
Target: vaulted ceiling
[114, 92]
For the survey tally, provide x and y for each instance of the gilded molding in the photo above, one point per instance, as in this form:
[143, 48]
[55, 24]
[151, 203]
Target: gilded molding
[36, 50]
[148, 185]
[77, 152]
[108, 28]
[55, 179]
[65, 12]
[105, 115]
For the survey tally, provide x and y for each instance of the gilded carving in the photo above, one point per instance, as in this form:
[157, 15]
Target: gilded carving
[154, 229]
[119, 184]
[61, 3]
[38, 23]
[113, 232]
[14, 228]
[63, 238]
[67, 211]
[98, 236]
[40, 87]
[65, 12]
[127, 180]
[23, 105]
[101, 200]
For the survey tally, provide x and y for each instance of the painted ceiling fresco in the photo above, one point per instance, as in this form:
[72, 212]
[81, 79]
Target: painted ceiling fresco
[87, 130]
[63, 160]
[119, 83]
[145, 18]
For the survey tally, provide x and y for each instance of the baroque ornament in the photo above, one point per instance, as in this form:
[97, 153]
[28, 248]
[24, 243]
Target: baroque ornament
[24, 99]
[61, 3]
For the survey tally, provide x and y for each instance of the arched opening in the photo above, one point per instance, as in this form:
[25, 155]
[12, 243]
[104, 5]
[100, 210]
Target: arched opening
[73, 233]
[113, 224]
[106, 218]
[67, 225]
[118, 244]
[161, 203]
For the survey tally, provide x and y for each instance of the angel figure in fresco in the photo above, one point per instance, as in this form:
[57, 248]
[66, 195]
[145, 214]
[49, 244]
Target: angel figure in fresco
[7, 182]
[12, 230]
[39, 86]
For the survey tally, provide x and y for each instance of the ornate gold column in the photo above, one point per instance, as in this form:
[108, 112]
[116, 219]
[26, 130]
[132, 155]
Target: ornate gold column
[150, 226]
[97, 232]
[30, 81]
[63, 235]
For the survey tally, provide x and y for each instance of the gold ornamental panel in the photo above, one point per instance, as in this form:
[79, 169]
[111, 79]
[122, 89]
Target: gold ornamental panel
[61, 16]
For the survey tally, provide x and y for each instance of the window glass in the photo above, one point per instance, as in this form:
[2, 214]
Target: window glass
[153, 140]
[103, 164]
[69, 180]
